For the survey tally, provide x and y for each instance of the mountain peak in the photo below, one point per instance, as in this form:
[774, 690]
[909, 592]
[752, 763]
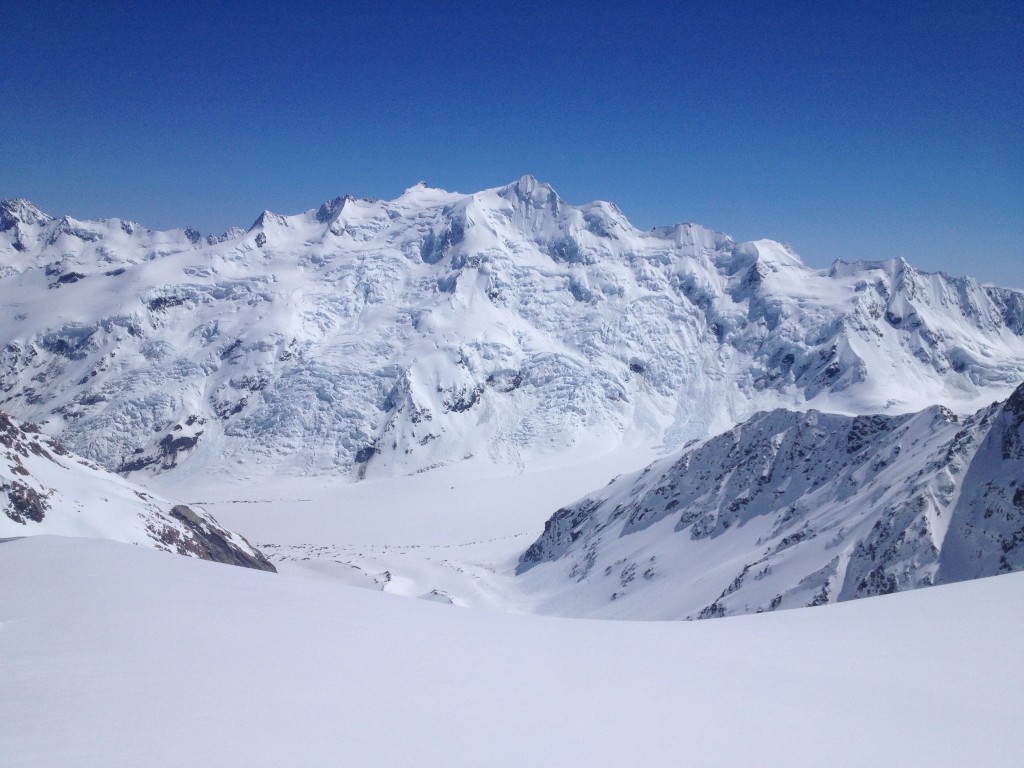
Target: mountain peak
[329, 211]
[529, 188]
[20, 211]
[424, 194]
[266, 218]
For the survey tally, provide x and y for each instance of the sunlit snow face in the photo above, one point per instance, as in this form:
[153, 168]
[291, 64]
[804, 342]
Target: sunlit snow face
[372, 337]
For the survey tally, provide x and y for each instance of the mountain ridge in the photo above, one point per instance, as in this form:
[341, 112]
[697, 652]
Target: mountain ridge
[376, 337]
[793, 509]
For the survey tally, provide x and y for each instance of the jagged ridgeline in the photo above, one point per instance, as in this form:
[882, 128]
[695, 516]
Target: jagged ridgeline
[794, 509]
[371, 337]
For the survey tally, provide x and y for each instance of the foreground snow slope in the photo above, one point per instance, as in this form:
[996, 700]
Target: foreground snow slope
[191, 661]
[375, 338]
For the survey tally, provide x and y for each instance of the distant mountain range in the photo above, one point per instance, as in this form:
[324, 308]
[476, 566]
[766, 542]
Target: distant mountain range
[374, 338]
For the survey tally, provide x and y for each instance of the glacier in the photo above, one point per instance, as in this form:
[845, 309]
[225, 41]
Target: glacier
[373, 338]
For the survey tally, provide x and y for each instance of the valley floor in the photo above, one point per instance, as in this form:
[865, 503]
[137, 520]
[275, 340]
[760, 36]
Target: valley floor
[451, 535]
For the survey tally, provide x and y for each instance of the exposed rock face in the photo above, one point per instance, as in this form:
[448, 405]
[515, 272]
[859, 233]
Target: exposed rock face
[381, 337]
[793, 509]
[48, 491]
[208, 541]
[986, 534]
[24, 503]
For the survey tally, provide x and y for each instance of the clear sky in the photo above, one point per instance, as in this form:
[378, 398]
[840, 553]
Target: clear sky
[848, 129]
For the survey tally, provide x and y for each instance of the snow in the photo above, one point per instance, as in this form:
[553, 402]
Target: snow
[791, 509]
[382, 338]
[390, 398]
[187, 659]
[462, 503]
[459, 529]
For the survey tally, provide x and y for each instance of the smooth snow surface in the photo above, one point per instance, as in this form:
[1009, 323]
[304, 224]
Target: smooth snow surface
[118, 656]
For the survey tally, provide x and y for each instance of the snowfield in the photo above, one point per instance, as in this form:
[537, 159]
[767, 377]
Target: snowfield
[120, 656]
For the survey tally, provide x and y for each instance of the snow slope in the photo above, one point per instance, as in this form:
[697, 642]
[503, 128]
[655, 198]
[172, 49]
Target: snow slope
[187, 660]
[377, 338]
[46, 490]
[793, 509]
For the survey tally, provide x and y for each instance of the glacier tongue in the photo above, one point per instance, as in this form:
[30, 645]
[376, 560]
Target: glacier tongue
[371, 337]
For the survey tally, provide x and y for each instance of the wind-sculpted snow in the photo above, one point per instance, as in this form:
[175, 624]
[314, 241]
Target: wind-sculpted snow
[372, 338]
[46, 490]
[793, 509]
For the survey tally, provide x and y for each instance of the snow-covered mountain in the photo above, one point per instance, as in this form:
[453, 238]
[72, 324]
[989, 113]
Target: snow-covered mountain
[793, 509]
[46, 490]
[374, 338]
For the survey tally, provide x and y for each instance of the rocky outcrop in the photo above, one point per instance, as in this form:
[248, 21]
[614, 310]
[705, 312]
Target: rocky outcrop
[210, 542]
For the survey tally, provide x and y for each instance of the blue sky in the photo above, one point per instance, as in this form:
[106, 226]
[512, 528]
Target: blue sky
[850, 130]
